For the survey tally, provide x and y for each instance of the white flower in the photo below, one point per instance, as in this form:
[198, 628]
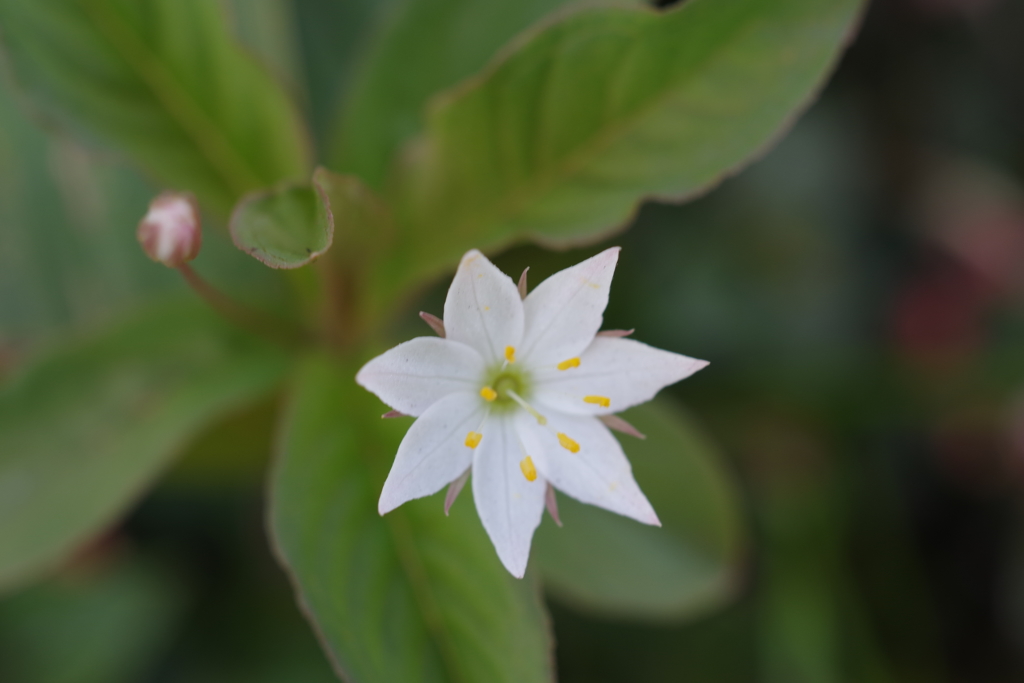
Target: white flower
[517, 391]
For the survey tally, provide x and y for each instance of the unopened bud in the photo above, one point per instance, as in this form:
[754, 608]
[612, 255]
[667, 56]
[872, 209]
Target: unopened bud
[170, 232]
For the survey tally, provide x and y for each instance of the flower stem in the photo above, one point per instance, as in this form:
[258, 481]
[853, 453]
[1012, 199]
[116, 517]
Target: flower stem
[251, 319]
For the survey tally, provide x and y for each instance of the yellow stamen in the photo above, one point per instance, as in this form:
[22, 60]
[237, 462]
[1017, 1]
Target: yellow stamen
[510, 354]
[488, 394]
[602, 401]
[473, 439]
[529, 471]
[571, 363]
[568, 444]
[541, 420]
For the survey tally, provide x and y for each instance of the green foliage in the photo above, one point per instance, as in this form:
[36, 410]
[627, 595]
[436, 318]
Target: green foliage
[60, 264]
[99, 625]
[163, 82]
[604, 563]
[335, 37]
[560, 139]
[463, 123]
[86, 429]
[363, 221]
[413, 596]
[286, 227]
[365, 234]
[430, 45]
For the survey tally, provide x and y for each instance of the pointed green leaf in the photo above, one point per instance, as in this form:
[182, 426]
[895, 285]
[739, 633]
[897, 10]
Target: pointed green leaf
[608, 564]
[164, 82]
[86, 429]
[286, 227]
[411, 596]
[560, 139]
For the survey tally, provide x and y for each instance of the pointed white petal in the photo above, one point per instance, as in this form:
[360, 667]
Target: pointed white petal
[509, 506]
[483, 308]
[433, 452]
[565, 312]
[598, 473]
[414, 375]
[624, 371]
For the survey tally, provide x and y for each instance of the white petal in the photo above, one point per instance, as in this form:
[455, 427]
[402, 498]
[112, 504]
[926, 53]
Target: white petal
[624, 371]
[509, 506]
[433, 452]
[483, 308]
[416, 374]
[598, 474]
[565, 312]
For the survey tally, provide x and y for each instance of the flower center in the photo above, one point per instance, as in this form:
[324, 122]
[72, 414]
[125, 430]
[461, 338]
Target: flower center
[504, 393]
[501, 386]
[506, 383]
[504, 390]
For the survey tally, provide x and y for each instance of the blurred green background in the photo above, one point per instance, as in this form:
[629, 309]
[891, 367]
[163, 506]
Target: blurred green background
[859, 291]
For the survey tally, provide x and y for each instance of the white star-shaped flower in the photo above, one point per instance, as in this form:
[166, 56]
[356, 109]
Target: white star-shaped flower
[519, 391]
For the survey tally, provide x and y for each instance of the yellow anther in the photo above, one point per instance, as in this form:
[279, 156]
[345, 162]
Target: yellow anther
[529, 471]
[510, 354]
[568, 444]
[571, 363]
[602, 401]
[488, 394]
[473, 439]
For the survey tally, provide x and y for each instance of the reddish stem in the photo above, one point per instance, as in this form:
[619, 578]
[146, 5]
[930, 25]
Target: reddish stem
[243, 316]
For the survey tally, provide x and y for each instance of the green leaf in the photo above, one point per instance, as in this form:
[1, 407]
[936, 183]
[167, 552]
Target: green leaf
[268, 29]
[286, 227]
[68, 252]
[68, 228]
[164, 82]
[608, 564]
[412, 596]
[559, 140]
[430, 45]
[88, 428]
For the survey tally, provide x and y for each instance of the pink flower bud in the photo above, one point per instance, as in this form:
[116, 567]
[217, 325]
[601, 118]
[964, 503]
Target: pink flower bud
[170, 232]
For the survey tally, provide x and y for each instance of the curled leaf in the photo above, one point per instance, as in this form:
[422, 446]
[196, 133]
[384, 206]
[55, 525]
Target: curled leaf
[286, 227]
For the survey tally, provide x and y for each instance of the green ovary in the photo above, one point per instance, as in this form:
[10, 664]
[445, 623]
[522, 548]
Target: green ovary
[504, 380]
